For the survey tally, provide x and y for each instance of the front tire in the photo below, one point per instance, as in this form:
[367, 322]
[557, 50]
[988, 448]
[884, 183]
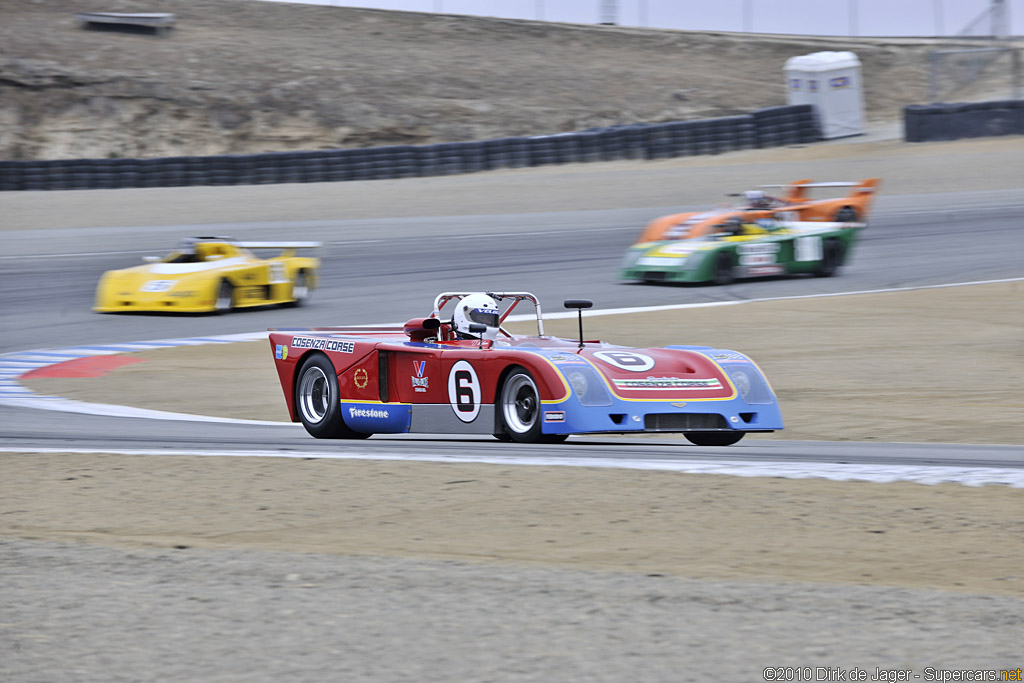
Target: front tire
[831, 258]
[519, 411]
[318, 400]
[225, 300]
[713, 438]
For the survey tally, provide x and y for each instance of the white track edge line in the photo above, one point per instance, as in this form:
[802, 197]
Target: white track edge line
[930, 475]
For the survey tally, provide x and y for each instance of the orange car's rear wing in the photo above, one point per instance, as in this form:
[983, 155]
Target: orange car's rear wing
[796, 191]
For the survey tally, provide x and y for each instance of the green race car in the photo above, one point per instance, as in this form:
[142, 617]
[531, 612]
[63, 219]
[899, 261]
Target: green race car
[744, 250]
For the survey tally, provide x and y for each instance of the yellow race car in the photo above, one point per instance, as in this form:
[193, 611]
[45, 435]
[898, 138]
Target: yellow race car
[211, 274]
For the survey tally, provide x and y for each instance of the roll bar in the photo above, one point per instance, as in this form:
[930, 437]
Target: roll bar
[517, 297]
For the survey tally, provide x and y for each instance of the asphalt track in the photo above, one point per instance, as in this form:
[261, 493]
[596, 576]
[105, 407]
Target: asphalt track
[388, 270]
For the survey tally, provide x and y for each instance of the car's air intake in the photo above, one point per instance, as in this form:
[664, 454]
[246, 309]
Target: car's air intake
[683, 422]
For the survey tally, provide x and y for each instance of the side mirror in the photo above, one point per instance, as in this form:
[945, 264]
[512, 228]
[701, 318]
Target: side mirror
[431, 324]
[478, 329]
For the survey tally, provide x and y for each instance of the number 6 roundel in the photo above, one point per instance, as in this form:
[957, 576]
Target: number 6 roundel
[464, 391]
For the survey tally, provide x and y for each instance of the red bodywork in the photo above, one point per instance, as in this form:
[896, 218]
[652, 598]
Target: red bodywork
[696, 377]
[359, 370]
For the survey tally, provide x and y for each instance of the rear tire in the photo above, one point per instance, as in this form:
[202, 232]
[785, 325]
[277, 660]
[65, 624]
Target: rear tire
[318, 400]
[713, 438]
[300, 289]
[847, 214]
[722, 272]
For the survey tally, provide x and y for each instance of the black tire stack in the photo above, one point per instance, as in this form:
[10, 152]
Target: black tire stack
[763, 128]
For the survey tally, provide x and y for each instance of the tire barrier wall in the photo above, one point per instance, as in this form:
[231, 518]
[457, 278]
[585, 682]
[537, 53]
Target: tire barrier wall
[769, 127]
[927, 122]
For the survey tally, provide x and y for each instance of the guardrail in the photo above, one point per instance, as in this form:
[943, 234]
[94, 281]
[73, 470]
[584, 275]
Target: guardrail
[770, 127]
[928, 122]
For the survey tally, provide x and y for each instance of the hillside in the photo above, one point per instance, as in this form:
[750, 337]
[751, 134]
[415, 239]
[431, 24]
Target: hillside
[240, 76]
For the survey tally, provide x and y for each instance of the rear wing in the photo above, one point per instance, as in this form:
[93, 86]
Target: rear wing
[280, 245]
[796, 191]
[288, 249]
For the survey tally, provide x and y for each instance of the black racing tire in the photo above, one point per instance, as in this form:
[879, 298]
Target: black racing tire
[713, 438]
[831, 258]
[225, 299]
[519, 411]
[723, 271]
[847, 214]
[300, 289]
[317, 400]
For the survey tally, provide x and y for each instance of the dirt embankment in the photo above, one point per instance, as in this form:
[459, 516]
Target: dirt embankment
[240, 76]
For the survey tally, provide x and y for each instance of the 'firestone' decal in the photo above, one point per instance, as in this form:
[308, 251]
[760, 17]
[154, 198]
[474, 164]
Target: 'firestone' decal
[369, 412]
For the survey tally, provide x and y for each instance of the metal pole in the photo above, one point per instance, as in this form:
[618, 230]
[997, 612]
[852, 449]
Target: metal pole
[940, 29]
[540, 10]
[933, 77]
[747, 16]
[853, 17]
[1000, 26]
[642, 10]
[1015, 60]
[609, 12]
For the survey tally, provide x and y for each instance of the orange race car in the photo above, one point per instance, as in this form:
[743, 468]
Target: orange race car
[795, 204]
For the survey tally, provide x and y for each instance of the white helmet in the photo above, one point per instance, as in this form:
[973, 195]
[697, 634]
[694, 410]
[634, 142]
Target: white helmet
[754, 197]
[476, 309]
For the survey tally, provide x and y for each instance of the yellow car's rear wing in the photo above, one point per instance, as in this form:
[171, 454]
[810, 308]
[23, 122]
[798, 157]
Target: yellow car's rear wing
[280, 245]
[288, 249]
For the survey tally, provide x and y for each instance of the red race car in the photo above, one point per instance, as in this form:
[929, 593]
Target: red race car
[459, 371]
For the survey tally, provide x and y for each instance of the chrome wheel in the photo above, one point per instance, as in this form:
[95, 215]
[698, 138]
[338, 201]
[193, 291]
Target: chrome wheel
[520, 404]
[314, 394]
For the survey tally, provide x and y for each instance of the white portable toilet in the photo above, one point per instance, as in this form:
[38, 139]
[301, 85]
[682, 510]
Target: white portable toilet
[831, 82]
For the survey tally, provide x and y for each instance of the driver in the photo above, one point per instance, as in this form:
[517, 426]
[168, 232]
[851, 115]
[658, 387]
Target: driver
[186, 251]
[476, 309]
[756, 199]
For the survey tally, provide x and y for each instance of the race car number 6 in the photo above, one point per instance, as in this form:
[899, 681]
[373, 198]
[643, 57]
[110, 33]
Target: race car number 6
[626, 360]
[464, 391]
